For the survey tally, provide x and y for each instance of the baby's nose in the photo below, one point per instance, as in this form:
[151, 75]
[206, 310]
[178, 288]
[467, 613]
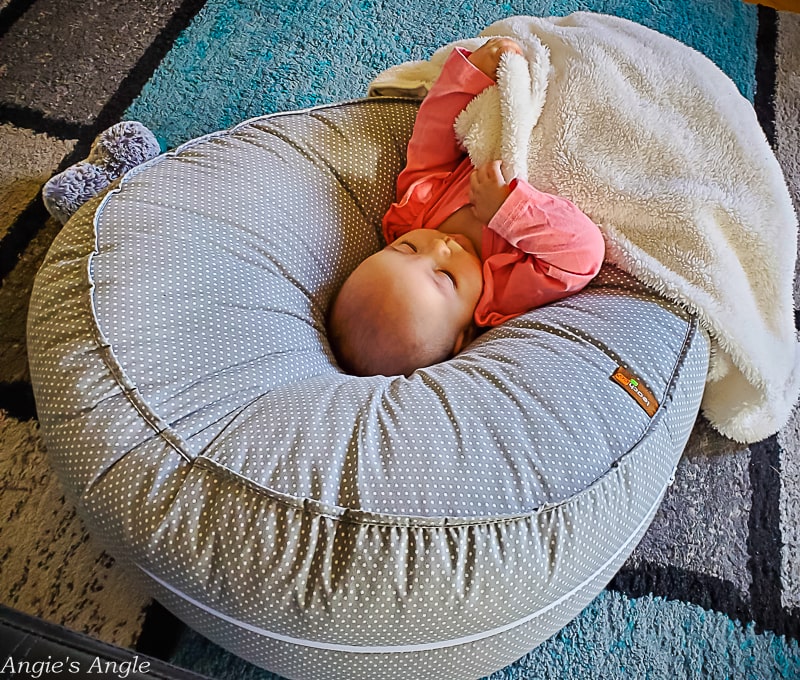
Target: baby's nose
[440, 247]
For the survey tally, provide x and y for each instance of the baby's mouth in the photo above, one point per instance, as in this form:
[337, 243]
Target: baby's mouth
[463, 242]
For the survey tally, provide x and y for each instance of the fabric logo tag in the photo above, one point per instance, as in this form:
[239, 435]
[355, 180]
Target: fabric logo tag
[633, 386]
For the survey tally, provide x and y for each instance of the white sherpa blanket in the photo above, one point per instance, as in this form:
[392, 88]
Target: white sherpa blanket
[657, 146]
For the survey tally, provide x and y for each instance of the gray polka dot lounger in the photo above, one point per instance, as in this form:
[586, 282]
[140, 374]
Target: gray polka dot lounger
[320, 525]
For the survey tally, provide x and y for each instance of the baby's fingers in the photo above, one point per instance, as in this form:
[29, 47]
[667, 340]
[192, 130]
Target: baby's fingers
[494, 172]
[488, 190]
[489, 173]
[487, 57]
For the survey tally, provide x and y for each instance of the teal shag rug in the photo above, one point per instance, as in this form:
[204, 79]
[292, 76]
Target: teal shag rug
[614, 638]
[244, 58]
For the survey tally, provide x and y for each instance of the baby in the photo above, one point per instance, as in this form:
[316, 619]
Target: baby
[466, 249]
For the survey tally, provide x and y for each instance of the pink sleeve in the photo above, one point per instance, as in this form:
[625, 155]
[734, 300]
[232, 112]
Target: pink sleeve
[433, 147]
[555, 250]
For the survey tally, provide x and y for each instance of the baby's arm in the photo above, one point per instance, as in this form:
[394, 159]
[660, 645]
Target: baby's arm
[551, 228]
[433, 147]
[557, 251]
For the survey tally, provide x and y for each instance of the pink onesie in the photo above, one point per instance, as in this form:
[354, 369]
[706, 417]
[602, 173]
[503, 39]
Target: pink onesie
[536, 249]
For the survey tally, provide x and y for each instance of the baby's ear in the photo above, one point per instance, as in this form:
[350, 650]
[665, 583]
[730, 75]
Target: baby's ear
[465, 337]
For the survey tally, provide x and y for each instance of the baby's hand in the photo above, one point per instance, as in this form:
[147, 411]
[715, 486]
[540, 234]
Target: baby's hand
[487, 190]
[487, 56]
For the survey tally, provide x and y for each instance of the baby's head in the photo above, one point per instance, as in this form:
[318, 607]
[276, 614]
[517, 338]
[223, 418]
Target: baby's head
[407, 306]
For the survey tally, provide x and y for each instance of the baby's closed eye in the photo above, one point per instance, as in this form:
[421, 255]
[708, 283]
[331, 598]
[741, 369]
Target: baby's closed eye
[450, 276]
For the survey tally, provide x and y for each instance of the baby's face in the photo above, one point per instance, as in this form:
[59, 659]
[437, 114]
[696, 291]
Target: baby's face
[431, 280]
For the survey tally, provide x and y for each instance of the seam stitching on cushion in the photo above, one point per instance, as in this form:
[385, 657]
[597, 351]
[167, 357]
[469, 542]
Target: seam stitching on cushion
[346, 515]
[128, 388]
[669, 387]
[443, 644]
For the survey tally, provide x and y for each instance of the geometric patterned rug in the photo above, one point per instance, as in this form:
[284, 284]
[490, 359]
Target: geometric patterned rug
[720, 563]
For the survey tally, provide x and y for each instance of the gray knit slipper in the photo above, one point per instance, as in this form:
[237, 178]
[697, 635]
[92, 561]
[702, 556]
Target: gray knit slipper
[113, 153]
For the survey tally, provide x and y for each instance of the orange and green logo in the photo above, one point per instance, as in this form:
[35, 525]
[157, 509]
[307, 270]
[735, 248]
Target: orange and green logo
[634, 387]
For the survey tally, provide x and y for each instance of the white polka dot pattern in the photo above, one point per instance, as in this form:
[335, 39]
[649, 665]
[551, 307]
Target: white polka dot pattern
[320, 525]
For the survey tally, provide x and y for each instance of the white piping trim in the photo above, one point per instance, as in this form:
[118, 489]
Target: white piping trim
[395, 649]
